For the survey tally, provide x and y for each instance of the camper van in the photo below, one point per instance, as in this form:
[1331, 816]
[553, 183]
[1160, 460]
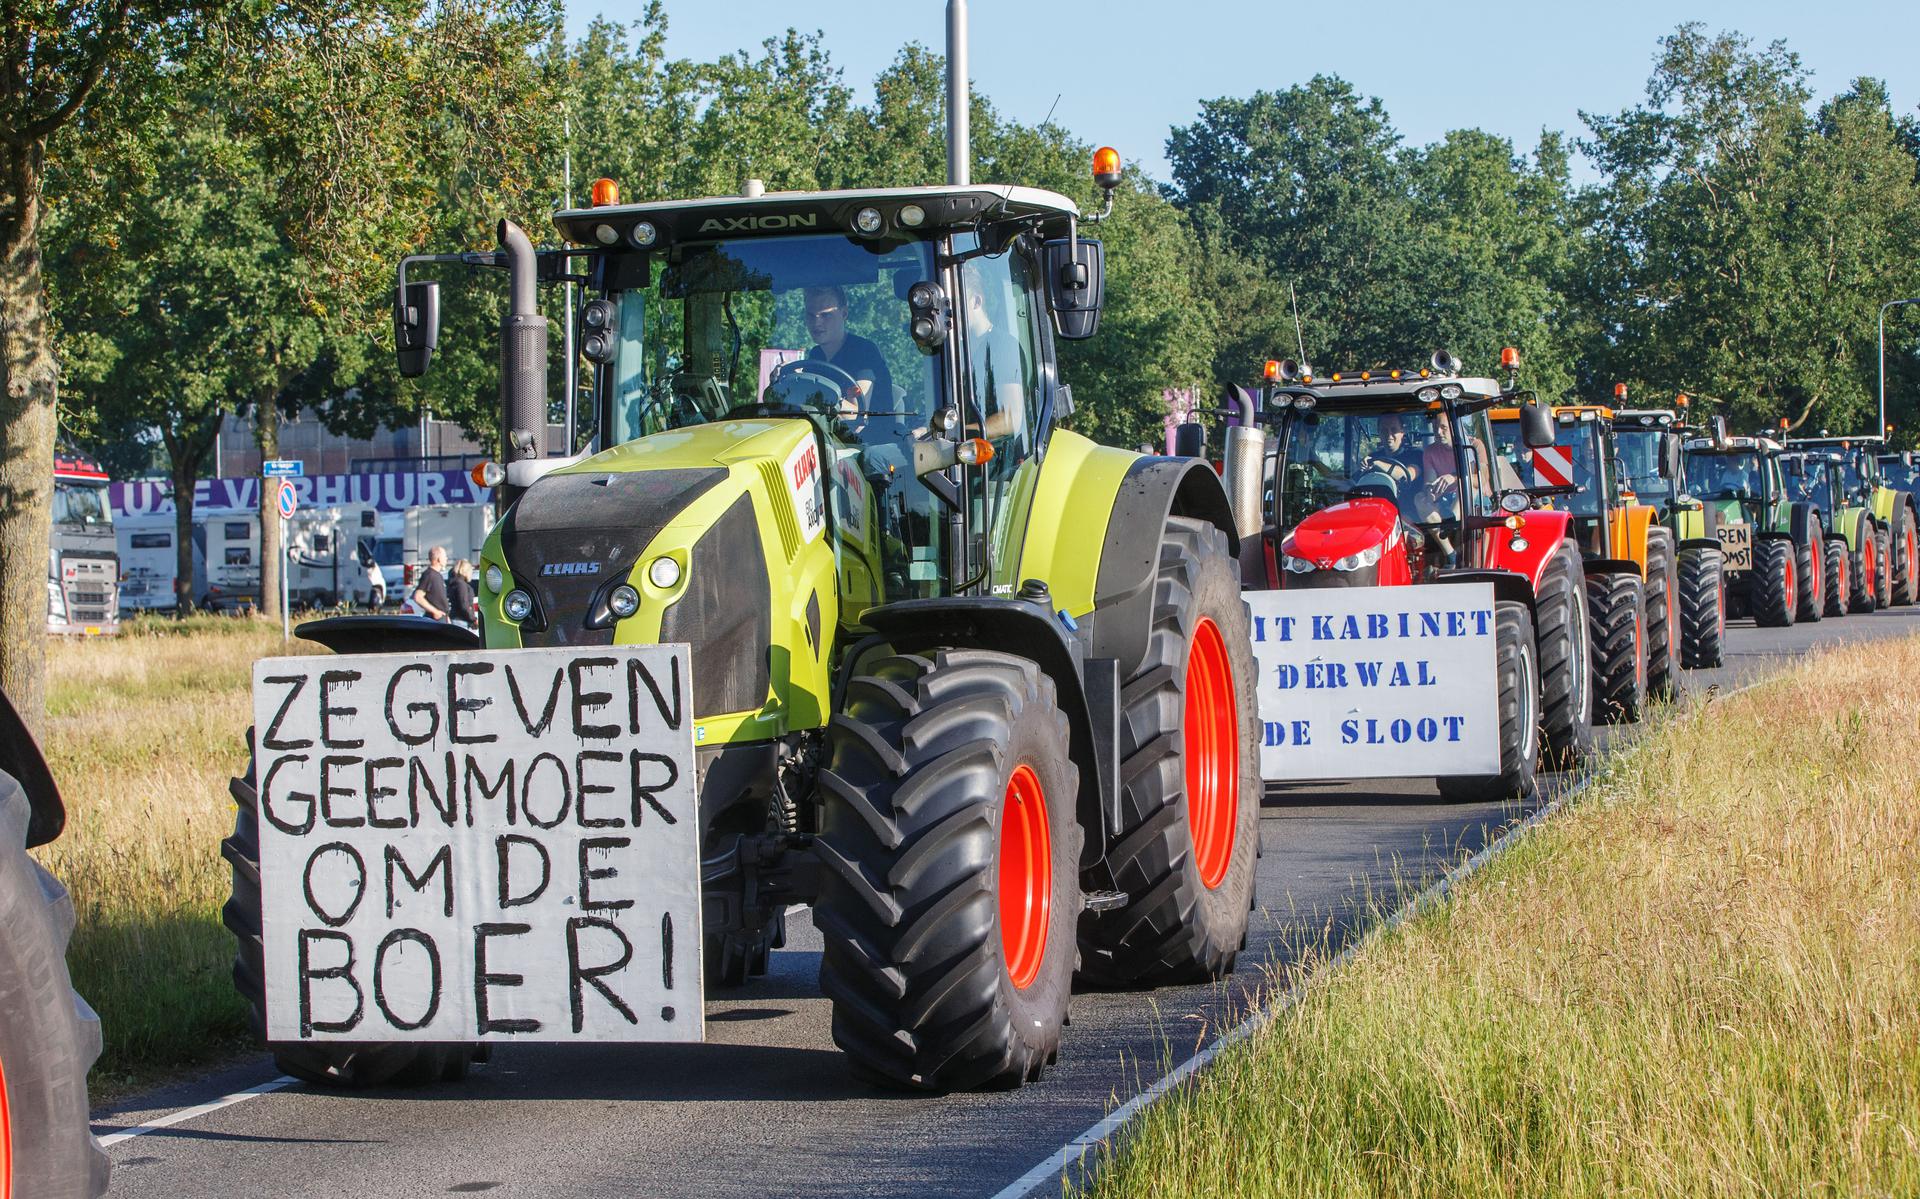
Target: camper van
[149, 563]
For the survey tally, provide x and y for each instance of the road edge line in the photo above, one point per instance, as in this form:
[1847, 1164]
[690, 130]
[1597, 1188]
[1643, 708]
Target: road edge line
[180, 1116]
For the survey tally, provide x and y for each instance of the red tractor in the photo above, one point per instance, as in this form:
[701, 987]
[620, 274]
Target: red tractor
[1389, 478]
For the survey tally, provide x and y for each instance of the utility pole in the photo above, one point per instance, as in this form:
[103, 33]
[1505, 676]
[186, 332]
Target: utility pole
[1882, 430]
[571, 381]
[959, 116]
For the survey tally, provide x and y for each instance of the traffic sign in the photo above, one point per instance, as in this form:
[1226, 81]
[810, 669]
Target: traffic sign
[288, 500]
[283, 468]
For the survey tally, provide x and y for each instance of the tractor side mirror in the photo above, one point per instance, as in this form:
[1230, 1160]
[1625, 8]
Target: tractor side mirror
[1189, 440]
[1076, 286]
[416, 326]
[1536, 426]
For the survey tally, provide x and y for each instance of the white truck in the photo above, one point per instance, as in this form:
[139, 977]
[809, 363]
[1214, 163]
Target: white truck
[83, 563]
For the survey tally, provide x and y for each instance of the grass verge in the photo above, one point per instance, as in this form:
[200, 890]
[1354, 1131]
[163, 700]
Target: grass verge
[1701, 980]
[143, 731]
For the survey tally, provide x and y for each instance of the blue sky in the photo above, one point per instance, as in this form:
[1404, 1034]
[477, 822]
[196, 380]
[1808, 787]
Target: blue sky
[1136, 73]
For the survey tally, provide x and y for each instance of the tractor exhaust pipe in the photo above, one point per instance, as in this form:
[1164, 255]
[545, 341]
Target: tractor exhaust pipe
[1243, 464]
[959, 132]
[523, 354]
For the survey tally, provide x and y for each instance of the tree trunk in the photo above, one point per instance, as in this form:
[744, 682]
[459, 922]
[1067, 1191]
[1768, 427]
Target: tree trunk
[28, 393]
[185, 453]
[266, 429]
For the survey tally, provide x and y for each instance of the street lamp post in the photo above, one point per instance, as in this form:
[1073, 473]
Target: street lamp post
[1882, 430]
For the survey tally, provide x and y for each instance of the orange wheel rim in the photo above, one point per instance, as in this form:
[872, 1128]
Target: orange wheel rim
[1026, 876]
[6, 1140]
[1790, 587]
[1212, 753]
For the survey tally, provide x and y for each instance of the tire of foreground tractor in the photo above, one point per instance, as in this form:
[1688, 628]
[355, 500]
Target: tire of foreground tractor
[1189, 838]
[736, 958]
[1810, 568]
[1663, 616]
[1883, 549]
[1863, 570]
[951, 879]
[1906, 557]
[1618, 616]
[341, 1064]
[1835, 584]
[48, 1035]
[1566, 680]
[1773, 594]
[1516, 666]
[1703, 608]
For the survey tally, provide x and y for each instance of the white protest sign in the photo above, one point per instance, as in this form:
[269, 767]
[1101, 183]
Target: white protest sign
[1377, 682]
[480, 846]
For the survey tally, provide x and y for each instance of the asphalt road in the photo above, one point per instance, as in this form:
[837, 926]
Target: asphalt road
[766, 1107]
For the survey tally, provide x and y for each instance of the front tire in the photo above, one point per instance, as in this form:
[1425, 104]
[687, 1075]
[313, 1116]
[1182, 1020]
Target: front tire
[1663, 616]
[341, 1064]
[1838, 576]
[49, 1037]
[1516, 668]
[1703, 608]
[1771, 588]
[1810, 565]
[951, 884]
[1186, 849]
[1619, 621]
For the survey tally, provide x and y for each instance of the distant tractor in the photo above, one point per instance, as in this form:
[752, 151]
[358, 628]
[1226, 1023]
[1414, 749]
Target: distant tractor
[1388, 478]
[83, 565]
[1774, 544]
[975, 690]
[1895, 579]
[1654, 469]
[1630, 569]
[49, 1037]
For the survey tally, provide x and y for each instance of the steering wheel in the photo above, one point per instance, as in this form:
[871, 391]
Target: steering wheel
[841, 384]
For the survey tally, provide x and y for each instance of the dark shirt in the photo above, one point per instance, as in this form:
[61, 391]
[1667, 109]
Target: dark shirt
[460, 599]
[434, 585]
[863, 360]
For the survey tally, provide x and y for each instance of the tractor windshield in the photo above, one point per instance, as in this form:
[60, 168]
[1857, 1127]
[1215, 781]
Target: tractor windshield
[1726, 475]
[1852, 477]
[1640, 462]
[1899, 471]
[815, 322]
[1808, 480]
[1573, 460]
[1406, 456]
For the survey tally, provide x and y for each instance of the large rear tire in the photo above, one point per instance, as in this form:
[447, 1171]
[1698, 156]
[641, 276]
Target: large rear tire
[1186, 849]
[49, 1037]
[951, 884]
[1863, 568]
[1566, 677]
[1837, 583]
[1617, 604]
[1810, 565]
[348, 1065]
[1516, 667]
[1703, 608]
[1771, 587]
[1663, 616]
[1906, 556]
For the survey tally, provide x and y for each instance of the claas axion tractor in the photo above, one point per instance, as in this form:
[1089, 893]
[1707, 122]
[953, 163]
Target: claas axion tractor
[1884, 517]
[1649, 442]
[1389, 478]
[975, 688]
[1773, 544]
[1852, 557]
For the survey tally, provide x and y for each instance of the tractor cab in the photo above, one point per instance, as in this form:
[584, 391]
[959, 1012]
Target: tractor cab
[1901, 470]
[1382, 478]
[1584, 474]
[1738, 476]
[1652, 467]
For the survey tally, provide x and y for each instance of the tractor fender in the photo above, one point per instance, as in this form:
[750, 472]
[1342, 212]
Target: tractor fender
[1152, 490]
[1543, 529]
[1804, 523]
[20, 757]
[387, 635]
[1088, 689]
[1508, 585]
[1613, 566]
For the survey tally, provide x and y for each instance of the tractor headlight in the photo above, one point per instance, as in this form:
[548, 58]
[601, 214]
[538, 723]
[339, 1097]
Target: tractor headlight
[1359, 561]
[664, 573]
[644, 234]
[1299, 566]
[868, 221]
[623, 601]
[1450, 392]
[518, 605]
[496, 578]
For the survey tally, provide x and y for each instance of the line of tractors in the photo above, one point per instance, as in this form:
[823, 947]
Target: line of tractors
[1618, 540]
[971, 688]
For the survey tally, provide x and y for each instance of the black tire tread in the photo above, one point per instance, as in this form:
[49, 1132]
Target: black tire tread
[1663, 615]
[1702, 608]
[1617, 606]
[1566, 687]
[1515, 656]
[1767, 587]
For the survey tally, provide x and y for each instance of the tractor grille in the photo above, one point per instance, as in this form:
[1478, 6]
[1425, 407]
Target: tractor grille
[570, 537]
[723, 615]
[783, 517]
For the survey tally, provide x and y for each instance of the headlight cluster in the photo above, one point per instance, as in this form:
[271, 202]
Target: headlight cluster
[1299, 566]
[1359, 561]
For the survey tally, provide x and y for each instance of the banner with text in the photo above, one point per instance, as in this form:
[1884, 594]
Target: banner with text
[386, 493]
[1377, 682]
[480, 846]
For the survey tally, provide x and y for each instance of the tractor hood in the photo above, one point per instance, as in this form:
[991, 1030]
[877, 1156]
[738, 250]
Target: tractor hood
[1358, 528]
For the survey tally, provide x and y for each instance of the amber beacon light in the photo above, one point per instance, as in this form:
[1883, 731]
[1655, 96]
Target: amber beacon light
[605, 192]
[1106, 167]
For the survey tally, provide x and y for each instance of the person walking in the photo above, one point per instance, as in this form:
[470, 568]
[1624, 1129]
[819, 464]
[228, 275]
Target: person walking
[463, 608]
[430, 592]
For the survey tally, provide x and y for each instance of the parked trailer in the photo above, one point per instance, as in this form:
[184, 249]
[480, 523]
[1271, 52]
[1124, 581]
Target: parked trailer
[149, 562]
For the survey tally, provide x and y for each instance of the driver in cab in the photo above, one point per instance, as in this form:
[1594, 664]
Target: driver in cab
[826, 317]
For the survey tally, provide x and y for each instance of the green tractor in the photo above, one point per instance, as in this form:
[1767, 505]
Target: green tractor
[1893, 578]
[1653, 468]
[1852, 550]
[1772, 544]
[976, 689]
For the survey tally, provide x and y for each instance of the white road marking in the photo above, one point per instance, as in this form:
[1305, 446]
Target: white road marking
[109, 1140]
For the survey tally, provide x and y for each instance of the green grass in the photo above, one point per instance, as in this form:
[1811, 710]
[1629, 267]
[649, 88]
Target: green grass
[1703, 979]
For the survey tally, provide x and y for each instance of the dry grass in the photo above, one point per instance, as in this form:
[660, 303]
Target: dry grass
[1702, 980]
[143, 732]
